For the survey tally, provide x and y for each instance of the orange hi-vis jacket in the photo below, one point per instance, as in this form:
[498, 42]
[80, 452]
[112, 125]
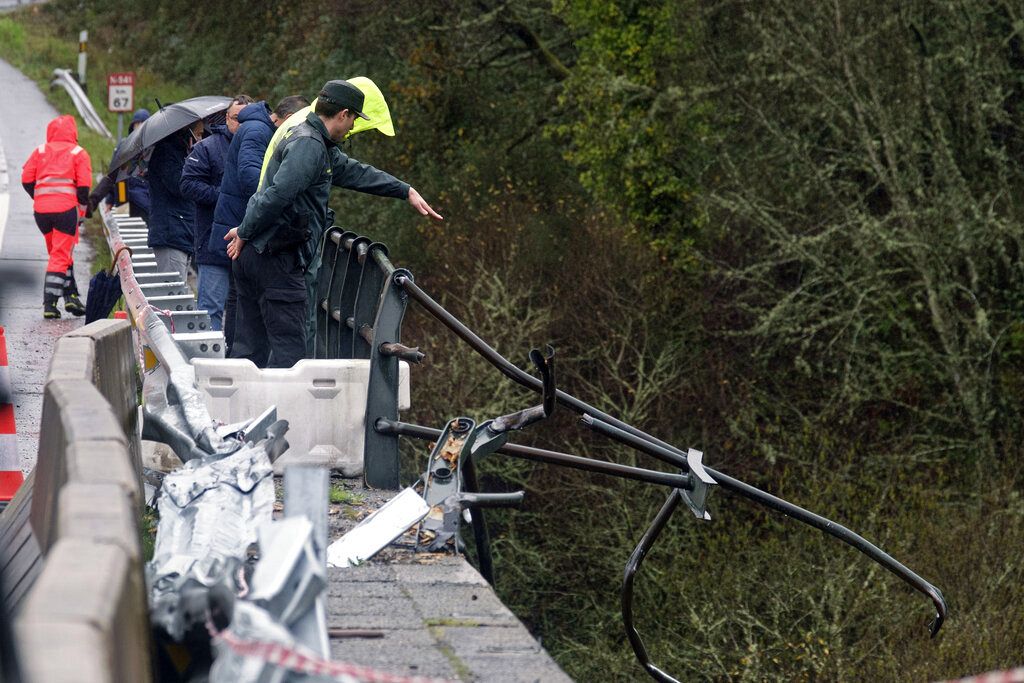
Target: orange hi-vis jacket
[58, 168]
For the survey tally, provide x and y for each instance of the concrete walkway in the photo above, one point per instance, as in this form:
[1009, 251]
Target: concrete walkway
[24, 114]
[430, 614]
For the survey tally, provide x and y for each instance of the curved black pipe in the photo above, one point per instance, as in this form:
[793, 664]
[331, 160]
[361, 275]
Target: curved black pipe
[632, 567]
[796, 512]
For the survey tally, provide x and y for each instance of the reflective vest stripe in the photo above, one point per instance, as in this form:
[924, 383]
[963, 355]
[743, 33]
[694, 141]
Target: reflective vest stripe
[54, 283]
[76, 149]
[54, 185]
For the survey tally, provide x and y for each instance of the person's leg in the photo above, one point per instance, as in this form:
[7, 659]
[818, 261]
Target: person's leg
[212, 291]
[229, 313]
[53, 283]
[72, 303]
[250, 331]
[179, 262]
[163, 260]
[169, 260]
[284, 308]
[311, 313]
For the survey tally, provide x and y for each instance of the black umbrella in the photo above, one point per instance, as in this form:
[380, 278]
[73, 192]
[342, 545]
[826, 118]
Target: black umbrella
[104, 291]
[165, 122]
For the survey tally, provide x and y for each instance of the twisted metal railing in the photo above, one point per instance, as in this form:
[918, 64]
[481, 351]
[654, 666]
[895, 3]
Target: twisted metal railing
[361, 300]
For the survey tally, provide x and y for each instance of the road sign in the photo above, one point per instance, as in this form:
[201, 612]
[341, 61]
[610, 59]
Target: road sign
[121, 91]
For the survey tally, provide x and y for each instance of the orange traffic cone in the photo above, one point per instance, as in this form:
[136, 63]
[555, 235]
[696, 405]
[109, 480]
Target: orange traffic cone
[10, 466]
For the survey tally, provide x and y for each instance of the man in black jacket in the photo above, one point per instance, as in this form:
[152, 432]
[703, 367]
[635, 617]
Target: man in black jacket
[284, 221]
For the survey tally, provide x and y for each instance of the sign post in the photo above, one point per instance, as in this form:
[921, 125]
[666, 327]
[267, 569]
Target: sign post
[120, 96]
[83, 41]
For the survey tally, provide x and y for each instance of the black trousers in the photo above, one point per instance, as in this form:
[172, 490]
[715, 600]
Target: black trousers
[270, 315]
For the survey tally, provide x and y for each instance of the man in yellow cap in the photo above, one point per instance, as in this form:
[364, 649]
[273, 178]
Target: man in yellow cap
[375, 107]
[276, 242]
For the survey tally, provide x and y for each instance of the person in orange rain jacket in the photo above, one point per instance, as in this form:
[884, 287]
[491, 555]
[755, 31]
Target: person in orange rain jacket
[58, 175]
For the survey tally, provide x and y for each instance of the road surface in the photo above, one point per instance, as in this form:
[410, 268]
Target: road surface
[24, 113]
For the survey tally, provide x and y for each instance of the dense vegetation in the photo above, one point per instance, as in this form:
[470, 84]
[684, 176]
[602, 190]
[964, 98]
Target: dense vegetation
[788, 234]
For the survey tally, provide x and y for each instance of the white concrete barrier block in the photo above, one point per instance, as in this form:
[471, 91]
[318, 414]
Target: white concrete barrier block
[324, 402]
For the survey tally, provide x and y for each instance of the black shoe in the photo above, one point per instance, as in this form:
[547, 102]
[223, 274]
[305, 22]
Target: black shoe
[74, 305]
[50, 310]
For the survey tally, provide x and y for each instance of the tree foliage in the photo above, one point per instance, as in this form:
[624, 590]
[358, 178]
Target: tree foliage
[788, 234]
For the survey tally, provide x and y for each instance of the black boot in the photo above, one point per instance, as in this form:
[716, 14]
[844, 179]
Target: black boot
[53, 287]
[72, 303]
[50, 310]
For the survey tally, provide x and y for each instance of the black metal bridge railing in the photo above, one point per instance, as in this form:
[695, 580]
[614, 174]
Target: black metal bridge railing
[360, 302]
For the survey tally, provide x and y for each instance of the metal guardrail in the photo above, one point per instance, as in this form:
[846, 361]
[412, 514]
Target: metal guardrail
[220, 502]
[65, 79]
[360, 305]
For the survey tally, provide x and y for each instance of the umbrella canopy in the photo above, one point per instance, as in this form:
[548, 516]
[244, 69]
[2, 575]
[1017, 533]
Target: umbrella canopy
[165, 122]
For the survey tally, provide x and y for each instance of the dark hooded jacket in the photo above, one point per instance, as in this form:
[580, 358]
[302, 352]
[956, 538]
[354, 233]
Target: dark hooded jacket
[201, 181]
[172, 215]
[242, 167]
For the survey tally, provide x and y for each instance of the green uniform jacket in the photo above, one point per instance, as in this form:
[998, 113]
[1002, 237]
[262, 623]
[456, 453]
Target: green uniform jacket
[291, 208]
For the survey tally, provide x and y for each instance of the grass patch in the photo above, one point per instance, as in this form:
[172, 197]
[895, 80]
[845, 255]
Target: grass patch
[342, 496]
[452, 622]
[462, 672]
[150, 519]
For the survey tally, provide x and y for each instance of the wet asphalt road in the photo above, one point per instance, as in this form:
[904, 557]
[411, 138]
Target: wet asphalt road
[24, 114]
[14, 4]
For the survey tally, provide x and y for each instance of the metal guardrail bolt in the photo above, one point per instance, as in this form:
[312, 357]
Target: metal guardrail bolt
[411, 354]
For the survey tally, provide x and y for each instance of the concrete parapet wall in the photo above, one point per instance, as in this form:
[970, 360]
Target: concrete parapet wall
[85, 618]
[113, 373]
[79, 440]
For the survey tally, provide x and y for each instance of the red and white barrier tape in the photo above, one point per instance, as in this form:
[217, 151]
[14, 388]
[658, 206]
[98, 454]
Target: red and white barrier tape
[299, 661]
[1009, 676]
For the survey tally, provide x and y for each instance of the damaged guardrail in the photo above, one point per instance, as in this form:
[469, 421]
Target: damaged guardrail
[361, 300]
[217, 507]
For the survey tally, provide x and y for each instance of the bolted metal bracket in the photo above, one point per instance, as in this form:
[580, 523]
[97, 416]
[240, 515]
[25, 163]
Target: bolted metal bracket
[702, 482]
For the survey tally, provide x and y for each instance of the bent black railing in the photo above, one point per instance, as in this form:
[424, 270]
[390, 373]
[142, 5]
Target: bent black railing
[358, 284]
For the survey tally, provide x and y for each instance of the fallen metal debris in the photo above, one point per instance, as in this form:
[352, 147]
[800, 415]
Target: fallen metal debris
[210, 511]
[375, 532]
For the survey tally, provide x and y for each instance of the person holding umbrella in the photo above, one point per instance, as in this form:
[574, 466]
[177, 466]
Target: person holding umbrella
[201, 179]
[172, 215]
[167, 137]
[283, 219]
